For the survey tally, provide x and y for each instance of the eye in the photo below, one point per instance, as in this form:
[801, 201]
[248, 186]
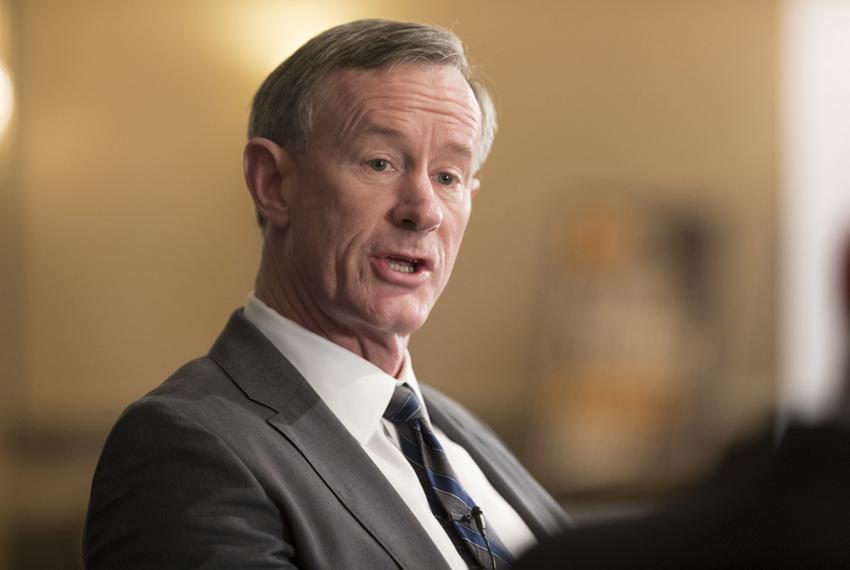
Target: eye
[446, 178]
[379, 164]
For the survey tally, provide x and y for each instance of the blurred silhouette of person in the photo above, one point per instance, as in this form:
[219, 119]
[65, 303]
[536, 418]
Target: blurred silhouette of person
[770, 504]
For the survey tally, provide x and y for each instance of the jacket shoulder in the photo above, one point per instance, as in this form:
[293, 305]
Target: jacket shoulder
[171, 488]
[201, 391]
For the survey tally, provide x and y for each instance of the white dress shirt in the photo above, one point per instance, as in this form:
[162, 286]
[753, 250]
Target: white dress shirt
[358, 393]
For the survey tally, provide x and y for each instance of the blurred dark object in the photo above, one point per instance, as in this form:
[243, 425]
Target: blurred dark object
[845, 302]
[845, 280]
[765, 507]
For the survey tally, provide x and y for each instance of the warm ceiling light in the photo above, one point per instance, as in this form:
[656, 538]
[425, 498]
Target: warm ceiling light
[263, 33]
[5, 98]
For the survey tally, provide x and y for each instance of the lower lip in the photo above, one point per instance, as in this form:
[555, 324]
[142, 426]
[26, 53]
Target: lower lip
[382, 267]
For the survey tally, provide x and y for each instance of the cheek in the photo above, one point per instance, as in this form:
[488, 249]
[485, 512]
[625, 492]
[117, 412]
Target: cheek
[321, 218]
[455, 229]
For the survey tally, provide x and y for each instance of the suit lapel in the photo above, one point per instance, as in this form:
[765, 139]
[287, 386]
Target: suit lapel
[355, 480]
[266, 377]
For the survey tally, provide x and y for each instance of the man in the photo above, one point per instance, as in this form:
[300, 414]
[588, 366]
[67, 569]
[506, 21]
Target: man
[302, 440]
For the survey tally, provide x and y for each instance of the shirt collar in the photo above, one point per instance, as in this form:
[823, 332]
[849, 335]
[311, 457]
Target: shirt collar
[355, 390]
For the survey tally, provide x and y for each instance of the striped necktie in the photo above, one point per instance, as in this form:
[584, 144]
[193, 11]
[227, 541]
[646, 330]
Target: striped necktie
[451, 504]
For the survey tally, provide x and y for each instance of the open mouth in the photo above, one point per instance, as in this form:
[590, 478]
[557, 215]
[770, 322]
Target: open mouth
[403, 264]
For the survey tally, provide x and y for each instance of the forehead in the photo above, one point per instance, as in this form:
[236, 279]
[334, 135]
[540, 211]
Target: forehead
[353, 99]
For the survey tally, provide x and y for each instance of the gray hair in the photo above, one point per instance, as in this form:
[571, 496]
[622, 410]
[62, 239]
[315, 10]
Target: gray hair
[284, 105]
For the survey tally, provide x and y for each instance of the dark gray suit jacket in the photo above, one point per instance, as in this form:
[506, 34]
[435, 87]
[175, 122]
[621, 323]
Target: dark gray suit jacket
[235, 462]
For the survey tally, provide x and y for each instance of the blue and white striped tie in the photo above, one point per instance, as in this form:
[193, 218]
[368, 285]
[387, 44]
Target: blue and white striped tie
[451, 504]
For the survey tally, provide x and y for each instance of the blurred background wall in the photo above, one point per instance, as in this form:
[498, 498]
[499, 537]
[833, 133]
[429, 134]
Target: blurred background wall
[128, 236]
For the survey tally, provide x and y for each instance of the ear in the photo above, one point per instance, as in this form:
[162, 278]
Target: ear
[476, 186]
[269, 169]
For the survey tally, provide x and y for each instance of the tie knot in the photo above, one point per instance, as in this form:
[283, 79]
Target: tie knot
[404, 405]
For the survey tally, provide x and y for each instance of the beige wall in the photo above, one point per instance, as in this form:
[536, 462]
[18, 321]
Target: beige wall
[129, 236]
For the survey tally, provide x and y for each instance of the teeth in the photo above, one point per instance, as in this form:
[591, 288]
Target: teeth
[401, 266]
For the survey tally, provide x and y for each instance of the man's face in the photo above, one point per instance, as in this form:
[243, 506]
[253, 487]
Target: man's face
[382, 196]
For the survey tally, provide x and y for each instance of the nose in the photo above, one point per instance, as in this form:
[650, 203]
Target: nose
[418, 208]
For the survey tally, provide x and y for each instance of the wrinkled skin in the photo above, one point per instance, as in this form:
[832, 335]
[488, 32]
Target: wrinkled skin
[364, 226]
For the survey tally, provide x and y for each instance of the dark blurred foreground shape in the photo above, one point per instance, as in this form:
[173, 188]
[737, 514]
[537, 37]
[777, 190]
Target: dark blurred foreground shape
[765, 507]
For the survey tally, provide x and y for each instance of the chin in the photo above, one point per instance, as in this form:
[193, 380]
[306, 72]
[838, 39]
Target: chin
[402, 325]
[401, 322]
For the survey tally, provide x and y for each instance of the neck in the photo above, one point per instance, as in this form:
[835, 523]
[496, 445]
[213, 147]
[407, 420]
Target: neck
[384, 350]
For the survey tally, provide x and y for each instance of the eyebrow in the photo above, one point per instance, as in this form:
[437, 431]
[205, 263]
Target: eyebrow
[455, 147]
